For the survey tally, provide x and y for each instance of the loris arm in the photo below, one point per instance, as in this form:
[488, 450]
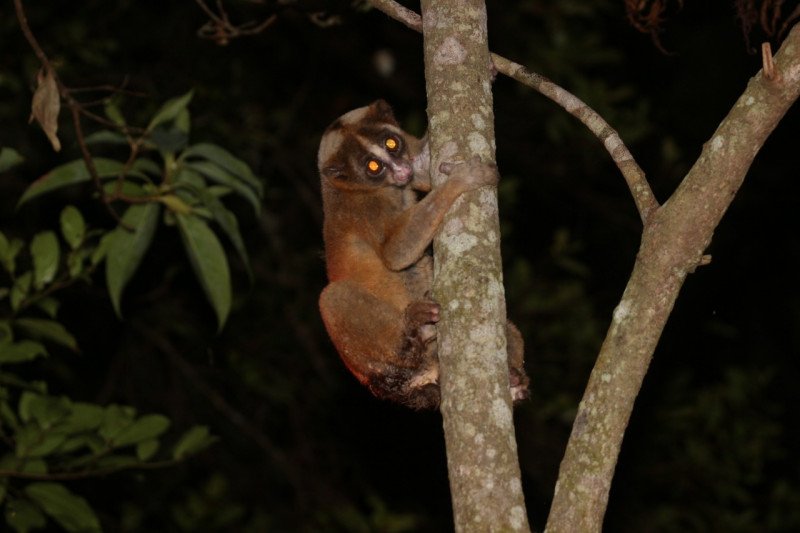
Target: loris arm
[414, 229]
[421, 162]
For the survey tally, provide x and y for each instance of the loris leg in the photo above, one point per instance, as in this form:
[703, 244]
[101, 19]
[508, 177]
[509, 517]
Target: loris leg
[391, 351]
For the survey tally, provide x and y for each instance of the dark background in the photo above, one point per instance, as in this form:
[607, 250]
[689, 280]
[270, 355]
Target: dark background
[302, 446]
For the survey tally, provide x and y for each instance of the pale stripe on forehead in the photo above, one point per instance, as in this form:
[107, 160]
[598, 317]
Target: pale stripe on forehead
[354, 116]
[369, 145]
[394, 129]
[376, 146]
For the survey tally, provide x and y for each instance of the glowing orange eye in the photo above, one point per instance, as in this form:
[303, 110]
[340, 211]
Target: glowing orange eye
[374, 166]
[391, 144]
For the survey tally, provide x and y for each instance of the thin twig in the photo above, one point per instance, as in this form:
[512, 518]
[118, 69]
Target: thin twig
[634, 176]
[220, 29]
[74, 106]
[768, 64]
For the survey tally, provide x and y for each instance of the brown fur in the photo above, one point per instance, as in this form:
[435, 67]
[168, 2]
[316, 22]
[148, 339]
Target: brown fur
[377, 232]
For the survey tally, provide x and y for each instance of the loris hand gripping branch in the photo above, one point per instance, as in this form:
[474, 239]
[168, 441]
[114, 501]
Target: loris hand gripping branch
[377, 307]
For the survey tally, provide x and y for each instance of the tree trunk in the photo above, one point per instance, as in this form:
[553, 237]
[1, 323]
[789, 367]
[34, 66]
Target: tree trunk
[476, 403]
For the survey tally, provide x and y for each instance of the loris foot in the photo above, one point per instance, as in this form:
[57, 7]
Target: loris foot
[518, 382]
[421, 317]
[420, 329]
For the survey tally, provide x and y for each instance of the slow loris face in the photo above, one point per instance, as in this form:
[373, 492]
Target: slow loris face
[366, 148]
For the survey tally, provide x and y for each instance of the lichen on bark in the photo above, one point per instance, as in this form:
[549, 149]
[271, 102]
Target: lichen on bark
[476, 403]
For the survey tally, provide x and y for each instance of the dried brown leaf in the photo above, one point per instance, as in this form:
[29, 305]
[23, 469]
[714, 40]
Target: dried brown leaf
[46, 106]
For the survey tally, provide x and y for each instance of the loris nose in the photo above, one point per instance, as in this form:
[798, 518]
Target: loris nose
[402, 172]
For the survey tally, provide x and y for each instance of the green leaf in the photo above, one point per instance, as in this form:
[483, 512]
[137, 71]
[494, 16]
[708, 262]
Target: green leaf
[227, 221]
[75, 261]
[45, 253]
[226, 160]
[20, 289]
[170, 140]
[73, 444]
[209, 263]
[125, 249]
[218, 174]
[8, 253]
[22, 516]
[44, 409]
[127, 187]
[6, 334]
[49, 305]
[170, 110]
[144, 428]
[7, 415]
[113, 112]
[14, 248]
[183, 121]
[196, 439]
[99, 253]
[32, 441]
[70, 173]
[46, 330]
[115, 419]
[31, 466]
[175, 204]
[147, 166]
[72, 226]
[83, 417]
[106, 137]
[71, 512]
[9, 158]
[19, 352]
[146, 449]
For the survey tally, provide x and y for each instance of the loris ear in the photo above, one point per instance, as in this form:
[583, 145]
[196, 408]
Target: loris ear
[382, 110]
[332, 171]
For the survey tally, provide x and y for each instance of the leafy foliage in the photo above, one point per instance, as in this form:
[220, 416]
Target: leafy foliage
[52, 439]
[181, 184]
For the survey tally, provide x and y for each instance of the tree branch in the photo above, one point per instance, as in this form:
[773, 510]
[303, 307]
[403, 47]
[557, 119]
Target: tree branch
[672, 246]
[634, 176]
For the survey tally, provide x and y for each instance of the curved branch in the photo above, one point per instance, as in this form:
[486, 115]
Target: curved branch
[634, 176]
[672, 246]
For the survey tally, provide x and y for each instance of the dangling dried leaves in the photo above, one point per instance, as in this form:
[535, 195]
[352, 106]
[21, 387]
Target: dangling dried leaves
[648, 15]
[46, 106]
[769, 16]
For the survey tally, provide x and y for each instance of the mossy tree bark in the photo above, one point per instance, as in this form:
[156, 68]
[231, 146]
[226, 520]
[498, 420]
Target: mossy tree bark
[476, 403]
